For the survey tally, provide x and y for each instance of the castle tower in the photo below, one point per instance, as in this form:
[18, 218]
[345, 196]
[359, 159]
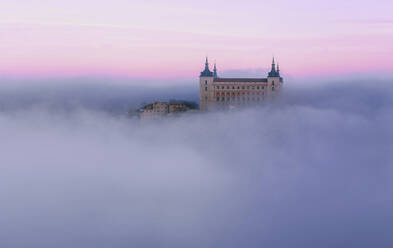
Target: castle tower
[206, 86]
[274, 80]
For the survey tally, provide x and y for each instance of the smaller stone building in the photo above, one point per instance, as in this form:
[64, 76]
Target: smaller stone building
[177, 107]
[154, 109]
[159, 109]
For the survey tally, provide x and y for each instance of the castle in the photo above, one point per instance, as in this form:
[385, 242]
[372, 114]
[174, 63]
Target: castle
[217, 92]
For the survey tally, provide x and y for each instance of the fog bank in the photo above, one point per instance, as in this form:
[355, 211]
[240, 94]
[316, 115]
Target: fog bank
[313, 169]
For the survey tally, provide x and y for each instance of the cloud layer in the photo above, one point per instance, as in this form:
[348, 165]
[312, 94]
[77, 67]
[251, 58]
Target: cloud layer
[312, 169]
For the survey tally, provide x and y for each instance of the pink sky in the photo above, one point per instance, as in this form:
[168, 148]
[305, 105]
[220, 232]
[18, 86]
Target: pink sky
[162, 39]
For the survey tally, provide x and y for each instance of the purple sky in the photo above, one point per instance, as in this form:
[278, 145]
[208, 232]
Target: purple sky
[159, 39]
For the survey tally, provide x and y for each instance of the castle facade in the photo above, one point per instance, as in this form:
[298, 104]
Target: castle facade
[217, 92]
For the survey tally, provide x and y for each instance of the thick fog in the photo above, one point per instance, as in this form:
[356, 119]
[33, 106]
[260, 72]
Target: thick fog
[313, 168]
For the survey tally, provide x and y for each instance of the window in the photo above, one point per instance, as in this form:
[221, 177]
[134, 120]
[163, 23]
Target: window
[227, 87]
[205, 81]
[222, 87]
[233, 87]
[273, 82]
[238, 87]
[263, 87]
[205, 88]
[257, 87]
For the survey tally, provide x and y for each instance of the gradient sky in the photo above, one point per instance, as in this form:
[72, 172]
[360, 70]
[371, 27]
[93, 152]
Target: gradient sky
[162, 39]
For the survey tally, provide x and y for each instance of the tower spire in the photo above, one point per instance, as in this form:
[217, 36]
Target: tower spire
[274, 72]
[215, 70]
[207, 72]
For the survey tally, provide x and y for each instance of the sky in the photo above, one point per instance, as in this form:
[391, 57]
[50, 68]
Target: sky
[170, 39]
[312, 169]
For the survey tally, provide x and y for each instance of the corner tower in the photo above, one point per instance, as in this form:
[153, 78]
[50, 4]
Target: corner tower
[274, 80]
[206, 86]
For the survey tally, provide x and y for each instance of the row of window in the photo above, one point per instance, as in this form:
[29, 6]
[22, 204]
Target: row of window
[240, 87]
[248, 93]
[223, 99]
[238, 93]
[233, 87]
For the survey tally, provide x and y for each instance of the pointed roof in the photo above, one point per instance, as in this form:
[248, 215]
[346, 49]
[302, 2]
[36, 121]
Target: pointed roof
[273, 65]
[274, 72]
[215, 70]
[207, 72]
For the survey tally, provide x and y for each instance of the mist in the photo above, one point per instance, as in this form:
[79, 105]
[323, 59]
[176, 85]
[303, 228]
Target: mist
[311, 169]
